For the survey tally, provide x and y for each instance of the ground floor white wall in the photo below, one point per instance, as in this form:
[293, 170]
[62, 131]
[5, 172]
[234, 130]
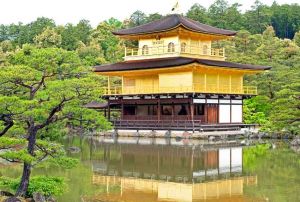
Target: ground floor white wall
[231, 111]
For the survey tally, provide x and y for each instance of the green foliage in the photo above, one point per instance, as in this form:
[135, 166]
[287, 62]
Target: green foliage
[278, 169]
[217, 12]
[154, 16]
[48, 186]
[48, 38]
[285, 19]
[110, 44]
[256, 110]
[47, 152]
[92, 54]
[277, 109]
[17, 156]
[21, 34]
[198, 13]
[72, 35]
[6, 142]
[6, 46]
[258, 17]
[252, 154]
[137, 18]
[62, 162]
[43, 94]
[285, 113]
[83, 31]
[297, 38]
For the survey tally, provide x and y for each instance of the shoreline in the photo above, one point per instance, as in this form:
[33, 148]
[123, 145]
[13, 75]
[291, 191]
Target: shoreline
[211, 135]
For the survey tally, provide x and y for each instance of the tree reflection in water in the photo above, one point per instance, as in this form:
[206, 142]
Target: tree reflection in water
[139, 169]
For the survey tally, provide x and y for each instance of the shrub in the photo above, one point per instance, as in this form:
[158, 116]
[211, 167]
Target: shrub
[48, 186]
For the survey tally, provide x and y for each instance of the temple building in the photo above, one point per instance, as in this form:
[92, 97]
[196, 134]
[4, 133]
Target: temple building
[177, 78]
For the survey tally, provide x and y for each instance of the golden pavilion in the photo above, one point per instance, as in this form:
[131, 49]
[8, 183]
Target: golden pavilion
[176, 79]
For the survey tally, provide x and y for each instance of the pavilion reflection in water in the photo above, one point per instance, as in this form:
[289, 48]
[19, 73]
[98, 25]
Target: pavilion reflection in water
[142, 172]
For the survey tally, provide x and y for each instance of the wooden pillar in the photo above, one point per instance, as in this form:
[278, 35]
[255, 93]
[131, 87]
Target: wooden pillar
[135, 111]
[218, 110]
[192, 107]
[230, 110]
[122, 110]
[173, 111]
[122, 84]
[205, 113]
[108, 85]
[218, 83]
[192, 114]
[158, 110]
[242, 83]
[205, 83]
[230, 88]
[242, 110]
[108, 110]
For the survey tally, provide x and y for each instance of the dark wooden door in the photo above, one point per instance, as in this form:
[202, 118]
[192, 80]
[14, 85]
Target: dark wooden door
[212, 113]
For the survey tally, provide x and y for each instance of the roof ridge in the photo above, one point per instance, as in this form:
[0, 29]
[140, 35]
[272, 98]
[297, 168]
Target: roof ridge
[144, 24]
[197, 22]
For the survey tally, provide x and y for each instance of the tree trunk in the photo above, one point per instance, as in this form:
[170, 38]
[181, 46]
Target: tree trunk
[22, 189]
[23, 186]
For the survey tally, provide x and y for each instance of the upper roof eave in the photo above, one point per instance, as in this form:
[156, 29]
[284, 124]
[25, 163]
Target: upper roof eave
[172, 22]
[171, 29]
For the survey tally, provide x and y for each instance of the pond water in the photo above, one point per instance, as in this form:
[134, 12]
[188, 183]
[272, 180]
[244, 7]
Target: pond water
[152, 170]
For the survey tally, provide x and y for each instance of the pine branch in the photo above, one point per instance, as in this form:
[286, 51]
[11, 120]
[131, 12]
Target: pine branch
[8, 122]
[53, 112]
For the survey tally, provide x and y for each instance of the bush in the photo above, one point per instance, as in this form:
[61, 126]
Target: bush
[48, 186]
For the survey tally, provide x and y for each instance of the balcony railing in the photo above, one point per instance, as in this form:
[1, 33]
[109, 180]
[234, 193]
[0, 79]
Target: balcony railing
[159, 51]
[196, 88]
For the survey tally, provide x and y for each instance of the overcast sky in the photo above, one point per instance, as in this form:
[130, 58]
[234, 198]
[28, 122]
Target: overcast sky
[64, 11]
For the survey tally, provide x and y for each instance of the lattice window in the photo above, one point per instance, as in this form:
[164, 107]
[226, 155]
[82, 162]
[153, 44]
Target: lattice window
[171, 47]
[183, 47]
[205, 50]
[145, 50]
[129, 82]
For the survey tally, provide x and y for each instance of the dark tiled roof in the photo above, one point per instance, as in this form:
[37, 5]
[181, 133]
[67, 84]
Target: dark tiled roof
[171, 22]
[96, 105]
[172, 62]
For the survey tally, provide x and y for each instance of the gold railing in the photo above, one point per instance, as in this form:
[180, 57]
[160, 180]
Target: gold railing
[196, 88]
[176, 49]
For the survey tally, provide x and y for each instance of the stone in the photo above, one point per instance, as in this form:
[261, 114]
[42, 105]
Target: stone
[74, 149]
[296, 149]
[178, 138]
[38, 197]
[12, 199]
[168, 134]
[186, 134]
[153, 133]
[5, 193]
[295, 141]
[51, 199]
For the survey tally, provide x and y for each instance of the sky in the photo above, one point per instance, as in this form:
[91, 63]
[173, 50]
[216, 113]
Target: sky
[71, 11]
